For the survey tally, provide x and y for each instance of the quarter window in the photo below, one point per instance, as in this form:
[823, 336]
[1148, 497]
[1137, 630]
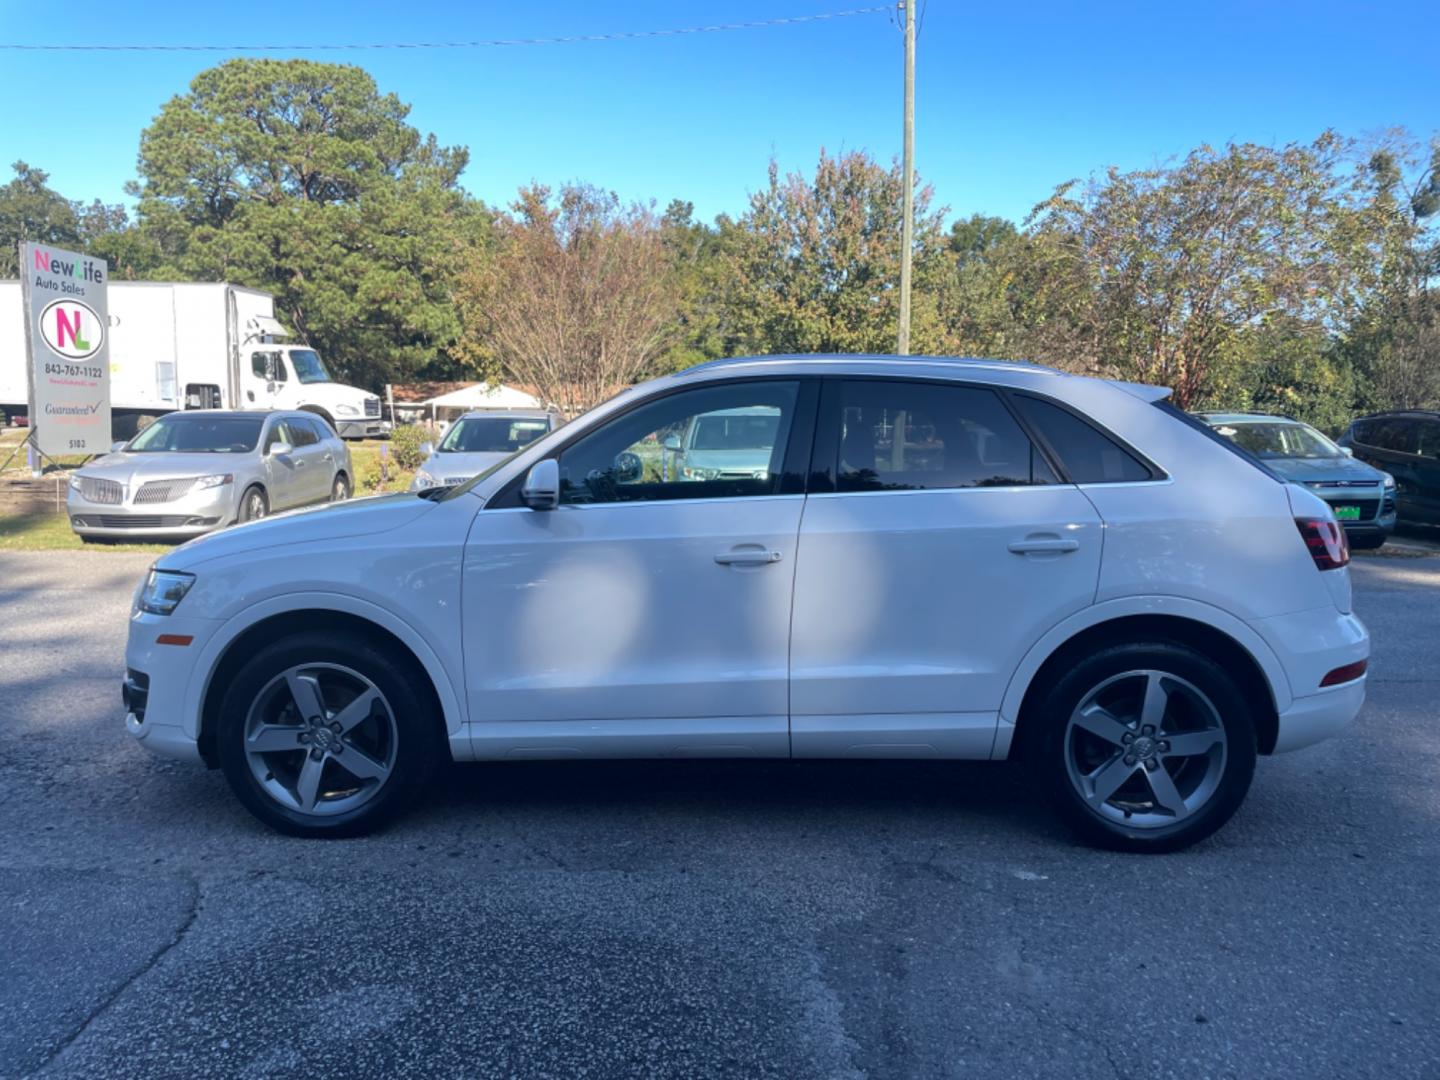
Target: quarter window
[707, 443]
[1088, 455]
[905, 436]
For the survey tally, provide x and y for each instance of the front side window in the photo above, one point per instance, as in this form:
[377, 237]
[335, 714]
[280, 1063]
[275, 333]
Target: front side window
[493, 434]
[280, 432]
[267, 366]
[181, 434]
[906, 436]
[710, 442]
[1397, 434]
[303, 432]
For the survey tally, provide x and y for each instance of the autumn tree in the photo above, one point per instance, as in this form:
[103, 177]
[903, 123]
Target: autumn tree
[578, 300]
[814, 263]
[1165, 267]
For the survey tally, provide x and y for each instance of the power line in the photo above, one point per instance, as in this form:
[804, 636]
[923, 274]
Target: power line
[490, 43]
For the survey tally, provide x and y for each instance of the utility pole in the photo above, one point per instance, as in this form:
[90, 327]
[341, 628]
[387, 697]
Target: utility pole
[907, 225]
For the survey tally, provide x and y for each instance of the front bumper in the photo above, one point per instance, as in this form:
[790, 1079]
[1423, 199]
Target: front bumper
[191, 515]
[363, 427]
[157, 682]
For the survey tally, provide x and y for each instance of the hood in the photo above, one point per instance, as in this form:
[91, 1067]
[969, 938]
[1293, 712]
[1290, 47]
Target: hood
[446, 466]
[1320, 470]
[756, 460]
[328, 521]
[329, 394]
[123, 467]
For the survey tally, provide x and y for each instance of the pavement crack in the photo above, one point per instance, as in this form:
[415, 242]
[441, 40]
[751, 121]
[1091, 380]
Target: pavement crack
[196, 899]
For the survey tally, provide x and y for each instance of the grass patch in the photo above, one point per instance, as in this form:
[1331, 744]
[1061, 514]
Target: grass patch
[52, 532]
[365, 457]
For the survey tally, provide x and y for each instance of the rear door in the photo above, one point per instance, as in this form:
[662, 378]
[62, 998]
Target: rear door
[945, 545]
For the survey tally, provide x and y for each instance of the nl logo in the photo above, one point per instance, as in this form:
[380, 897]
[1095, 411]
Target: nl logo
[72, 329]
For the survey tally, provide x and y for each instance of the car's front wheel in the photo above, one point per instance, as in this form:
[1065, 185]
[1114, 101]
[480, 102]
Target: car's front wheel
[253, 504]
[340, 489]
[326, 735]
[1146, 747]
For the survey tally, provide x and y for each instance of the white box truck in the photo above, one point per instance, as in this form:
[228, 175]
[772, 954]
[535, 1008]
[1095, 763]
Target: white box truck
[181, 345]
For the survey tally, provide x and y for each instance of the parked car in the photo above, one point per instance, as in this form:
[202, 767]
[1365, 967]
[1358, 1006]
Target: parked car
[724, 445]
[478, 440]
[942, 559]
[1362, 497]
[1406, 445]
[191, 472]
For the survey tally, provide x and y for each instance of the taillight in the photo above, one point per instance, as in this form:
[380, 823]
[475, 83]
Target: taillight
[1348, 673]
[1326, 541]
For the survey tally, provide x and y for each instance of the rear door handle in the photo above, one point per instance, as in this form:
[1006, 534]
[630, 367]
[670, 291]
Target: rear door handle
[1042, 544]
[747, 556]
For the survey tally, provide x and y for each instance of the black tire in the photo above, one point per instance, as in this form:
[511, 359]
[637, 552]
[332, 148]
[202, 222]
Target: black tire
[254, 497]
[418, 733]
[1226, 771]
[340, 488]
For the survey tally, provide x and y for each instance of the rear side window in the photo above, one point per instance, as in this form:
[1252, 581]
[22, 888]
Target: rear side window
[907, 436]
[1218, 439]
[1088, 455]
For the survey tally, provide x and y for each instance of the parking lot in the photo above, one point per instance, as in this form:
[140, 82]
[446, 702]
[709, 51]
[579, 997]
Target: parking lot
[703, 918]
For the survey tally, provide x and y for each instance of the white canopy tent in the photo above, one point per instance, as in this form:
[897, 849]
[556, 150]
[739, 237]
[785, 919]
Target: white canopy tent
[477, 396]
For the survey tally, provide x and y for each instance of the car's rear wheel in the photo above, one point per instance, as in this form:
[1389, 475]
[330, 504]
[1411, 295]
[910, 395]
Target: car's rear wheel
[325, 735]
[1146, 747]
[340, 489]
[253, 504]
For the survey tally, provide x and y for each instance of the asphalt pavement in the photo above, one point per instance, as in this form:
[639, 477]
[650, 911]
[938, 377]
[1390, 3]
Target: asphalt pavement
[691, 919]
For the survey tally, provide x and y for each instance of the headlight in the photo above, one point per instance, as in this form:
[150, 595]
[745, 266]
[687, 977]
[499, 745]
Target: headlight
[1389, 482]
[217, 480]
[424, 479]
[347, 410]
[700, 474]
[74, 481]
[162, 590]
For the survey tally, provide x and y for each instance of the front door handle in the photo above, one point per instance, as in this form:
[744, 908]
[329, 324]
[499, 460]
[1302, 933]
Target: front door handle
[1042, 544]
[747, 556]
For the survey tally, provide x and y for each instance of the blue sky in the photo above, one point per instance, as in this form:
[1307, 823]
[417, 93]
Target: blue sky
[1012, 97]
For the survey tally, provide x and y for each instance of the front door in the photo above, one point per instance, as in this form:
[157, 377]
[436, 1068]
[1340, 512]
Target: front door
[649, 614]
[285, 472]
[923, 576]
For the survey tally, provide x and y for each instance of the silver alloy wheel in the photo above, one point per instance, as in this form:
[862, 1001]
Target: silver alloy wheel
[339, 490]
[254, 506]
[1145, 749]
[321, 739]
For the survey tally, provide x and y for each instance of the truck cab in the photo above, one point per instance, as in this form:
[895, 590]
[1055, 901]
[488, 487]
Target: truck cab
[279, 376]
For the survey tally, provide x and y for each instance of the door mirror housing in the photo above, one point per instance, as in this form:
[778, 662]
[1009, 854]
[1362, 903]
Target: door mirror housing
[541, 490]
[672, 443]
[427, 448]
[280, 449]
[116, 447]
[1347, 451]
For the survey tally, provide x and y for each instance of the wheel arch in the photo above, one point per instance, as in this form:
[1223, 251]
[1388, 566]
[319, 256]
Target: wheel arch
[321, 412]
[237, 640]
[1240, 650]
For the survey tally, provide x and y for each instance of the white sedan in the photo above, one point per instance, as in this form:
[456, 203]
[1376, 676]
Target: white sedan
[941, 559]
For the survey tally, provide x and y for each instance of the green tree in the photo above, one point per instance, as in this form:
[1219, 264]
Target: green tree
[31, 210]
[814, 263]
[302, 179]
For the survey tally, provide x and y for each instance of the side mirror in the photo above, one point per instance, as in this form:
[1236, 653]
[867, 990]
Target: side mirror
[116, 447]
[426, 449]
[280, 449]
[1347, 451]
[628, 467]
[672, 442]
[541, 490]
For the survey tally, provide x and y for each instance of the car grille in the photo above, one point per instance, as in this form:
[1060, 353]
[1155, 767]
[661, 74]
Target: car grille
[141, 521]
[1367, 507]
[372, 406]
[162, 491]
[105, 492]
[1342, 483]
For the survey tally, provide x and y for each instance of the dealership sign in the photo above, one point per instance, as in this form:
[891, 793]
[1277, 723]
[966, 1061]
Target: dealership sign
[67, 331]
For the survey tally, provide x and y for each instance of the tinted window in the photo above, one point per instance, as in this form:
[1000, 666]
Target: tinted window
[905, 436]
[304, 431]
[1395, 433]
[665, 450]
[1089, 455]
[1363, 431]
[1429, 438]
[280, 431]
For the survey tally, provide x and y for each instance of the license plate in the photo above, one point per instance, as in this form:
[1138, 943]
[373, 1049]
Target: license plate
[1347, 513]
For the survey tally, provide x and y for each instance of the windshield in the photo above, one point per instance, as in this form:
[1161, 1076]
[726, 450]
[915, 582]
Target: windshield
[182, 434]
[492, 434]
[1280, 440]
[309, 368]
[746, 432]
